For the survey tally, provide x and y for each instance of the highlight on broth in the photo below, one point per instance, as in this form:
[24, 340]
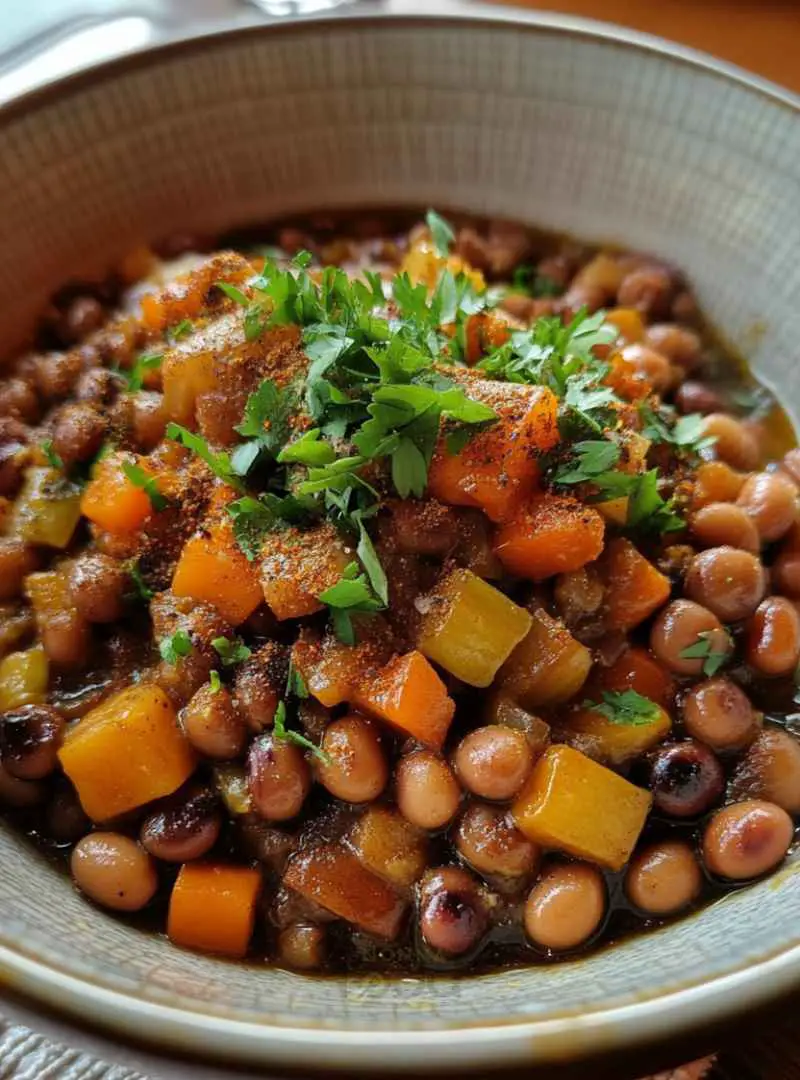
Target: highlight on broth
[391, 596]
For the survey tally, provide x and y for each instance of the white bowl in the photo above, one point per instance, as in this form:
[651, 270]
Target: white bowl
[569, 125]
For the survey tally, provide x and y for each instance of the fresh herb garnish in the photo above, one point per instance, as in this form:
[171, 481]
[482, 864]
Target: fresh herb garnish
[352, 594]
[53, 459]
[218, 461]
[149, 485]
[231, 651]
[181, 329]
[441, 232]
[142, 590]
[703, 649]
[134, 378]
[233, 292]
[595, 458]
[266, 425]
[254, 519]
[215, 681]
[686, 432]
[310, 449]
[526, 280]
[280, 731]
[295, 683]
[625, 707]
[175, 646]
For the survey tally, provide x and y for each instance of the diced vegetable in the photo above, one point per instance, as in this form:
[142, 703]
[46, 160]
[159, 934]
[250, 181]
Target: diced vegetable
[112, 501]
[390, 846]
[635, 588]
[628, 321]
[333, 877]
[506, 712]
[482, 333]
[408, 694]
[62, 630]
[297, 566]
[46, 510]
[470, 628]
[213, 569]
[548, 667]
[612, 743]
[213, 908]
[497, 469]
[575, 805]
[332, 671]
[23, 678]
[635, 669]
[126, 752]
[185, 376]
[551, 535]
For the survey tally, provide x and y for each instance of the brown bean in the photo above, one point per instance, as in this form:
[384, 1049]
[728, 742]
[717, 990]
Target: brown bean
[720, 523]
[773, 637]
[83, 315]
[302, 947]
[185, 828]
[17, 560]
[427, 792]
[491, 844]
[65, 819]
[97, 386]
[727, 581]
[148, 419]
[212, 724]
[680, 626]
[566, 906]
[735, 444]
[55, 374]
[686, 779]
[278, 778]
[770, 770]
[357, 770]
[423, 528]
[98, 585]
[66, 637]
[684, 308]
[652, 365]
[786, 574]
[18, 398]
[664, 878]
[747, 840]
[680, 345]
[78, 433]
[493, 762]
[649, 289]
[20, 794]
[770, 499]
[452, 911]
[30, 737]
[791, 464]
[697, 397]
[114, 871]
[258, 685]
[718, 713]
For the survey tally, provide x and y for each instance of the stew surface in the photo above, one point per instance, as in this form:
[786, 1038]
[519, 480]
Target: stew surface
[396, 594]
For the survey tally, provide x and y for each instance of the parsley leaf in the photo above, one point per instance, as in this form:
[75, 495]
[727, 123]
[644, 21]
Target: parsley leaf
[231, 651]
[145, 362]
[233, 293]
[595, 457]
[309, 449]
[218, 461]
[371, 563]
[142, 590]
[215, 682]
[352, 593]
[184, 327]
[685, 432]
[53, 459]
[703, 649]
[441, 233]
[267, 416]
[175, 646]
[295, 683]
[625, 707]
[254, 519]
[647, 509]
[527, 280]
[280, 731]
[148, 483]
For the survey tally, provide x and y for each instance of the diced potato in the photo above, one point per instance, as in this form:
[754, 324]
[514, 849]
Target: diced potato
[332, 876]
[548, 667]
[575, 805]
[408, 694]
[551, 534]
[390, 846]
[470, 628]
[126, 752]
[614, 744]
[23, 678]
[113, 502]
[333, 671]
[46, 510]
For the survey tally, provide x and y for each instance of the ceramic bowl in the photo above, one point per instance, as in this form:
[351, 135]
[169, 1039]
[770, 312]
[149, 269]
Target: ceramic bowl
[569, 125]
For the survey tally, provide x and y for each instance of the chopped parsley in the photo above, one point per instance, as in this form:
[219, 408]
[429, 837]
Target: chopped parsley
[295, 683]
[352, 594]
[134, 378]
[142, 590]
[527, 280]
[703, 649]
[310, 449]
[625, 707]
[266, 425]
[686, 432]
[218, 461]
[184, 327]
[148, 483]
[53, 459]
[254, 519]
[280, 731]
[231, 651]
[441, 232]
[174, 647]
[215, 682]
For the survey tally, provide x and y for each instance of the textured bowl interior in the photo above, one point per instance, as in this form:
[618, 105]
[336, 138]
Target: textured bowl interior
[567, 129]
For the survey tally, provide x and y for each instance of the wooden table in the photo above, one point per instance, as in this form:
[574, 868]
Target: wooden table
[762, 35]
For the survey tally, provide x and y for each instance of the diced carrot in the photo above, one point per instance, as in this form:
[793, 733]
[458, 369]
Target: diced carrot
[126, 752]
[408, 694]
[628, 321]
[213, 908]
[212, 568]
[715, 481]
[553, 534]
[484, 332]
[609, 743]
[333, 877]
[636, 669]
[297, 565]
[112, 501]
[497, 469]
[634, 587]
[333, 671]
[184, 377]
[626, 380]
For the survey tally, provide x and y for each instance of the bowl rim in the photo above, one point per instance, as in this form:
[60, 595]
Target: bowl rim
[566, 1037]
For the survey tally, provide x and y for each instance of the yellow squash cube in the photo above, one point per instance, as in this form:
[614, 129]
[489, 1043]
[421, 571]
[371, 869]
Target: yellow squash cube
[390, 846]
[575, 805]
[470, 628]
[23, 678]
[613, 744]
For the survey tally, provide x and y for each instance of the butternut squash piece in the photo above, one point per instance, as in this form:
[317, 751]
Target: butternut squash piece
[628, 322]
[497, 469]
[548, 667]
[470, 628]
[185, 376]
[112, 502]
[635, 589]
[47, 509]
[126, 752]
[575, 805]
[613, 744]
[390, 846]
[213, 908]
[332, 876]
[297, 565]
[213, 569]
[23, 678]
[553, 534]
[408, 694]
[484, 332]
[333, 671]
